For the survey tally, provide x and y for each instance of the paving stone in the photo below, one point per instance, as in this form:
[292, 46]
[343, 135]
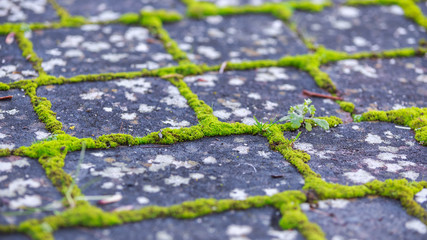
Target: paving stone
[217, 39]
[350, 29]
[265, 93]
[111, 10]
[226, 167]
[13, 65]
[383, 84]
[249, 224]
[367, 218]
[13, 236]
[226, 3]
[23, 185]
[19, 124]
[423, 7]
[137, 107]
[98, 49]
[27, 11]
[357, 153]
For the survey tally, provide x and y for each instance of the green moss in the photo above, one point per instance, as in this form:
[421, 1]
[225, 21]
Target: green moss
[4, 87]
[4, 152]
[415, 118]
[347, 106]
[28, 53]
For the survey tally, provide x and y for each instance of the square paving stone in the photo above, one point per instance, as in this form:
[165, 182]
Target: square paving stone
[13, 66]
[350, 29]
[382, 84]
[253, 224]
[23, 184]
[19, 124]
[264, 93]
[357, 153]
[366, 218]
[221, 168]
[136, 107]
[217, 39]
[107, 10]
[27, 11]
[94, 49]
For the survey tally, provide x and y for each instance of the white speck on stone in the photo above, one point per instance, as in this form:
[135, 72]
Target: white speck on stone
[341, 25]
[108, 109]
[242, 112]
[136, 33]
[8, 146]
[54, 52]
[196, 176]
[238, 230]
[163, 161]
[255, 96]
[114, 57]
[2, 178]
[142, 200]
[21, 163]
[130, 96]
[144, 108]
[338, 203]
[416, 225]
[287, 87]
[421, 196]
[137, 85]
[74, 53]
[72, 41]
[373, 164]
[270, 191]
[107, 185]
[373, 139]
[26, 201]
[50, 65]
[128, 116]
[264, 154]
[90, 28]
[105, 16]
[282, 235]
[141, 47]
[397, 10]
[422, 78]
[92, 95]
[151, 189]
[176, 180]
[388, 149]
[238, 194]
[360, 41]
[18, 187]
[208, 52]
[222, 114]
[392, 167]
[209, 160]
[41, 135]
[96, 46]
[207, 80]
[270, 105]
[271, 74]
[242, 149]
[3, 135]
[410, 175]
[163, 235]
[387, 156]
[214, 19]
[406, 163]
[176, 124]
[98, 154]
[236, 82]
[174, 98]
[248, 121]
[5, 166]
[348, 12]
[360, 176]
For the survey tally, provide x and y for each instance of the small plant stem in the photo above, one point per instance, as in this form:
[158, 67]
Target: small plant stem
[313, 94]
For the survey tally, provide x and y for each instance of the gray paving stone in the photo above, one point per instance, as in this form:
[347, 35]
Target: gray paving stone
[19, 124]
[357, 153]
[256, 224]
[27, 11]
[367, 218]
[383, 84]
[266, 93]
[98, 49]
[350, 29]
[111, 10]
[423, 6]
[217, 39]
[226, 167]
[13, 65]
[23, 185]
[136, 107]
[13, 236]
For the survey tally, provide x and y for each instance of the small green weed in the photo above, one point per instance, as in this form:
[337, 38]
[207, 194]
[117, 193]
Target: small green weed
[264, 127]
[297, 116]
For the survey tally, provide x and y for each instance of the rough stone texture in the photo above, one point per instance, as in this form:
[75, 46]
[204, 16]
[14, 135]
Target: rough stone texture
[27, 11]
[13, 66]
[97, 10]
[357, 153]
[13, 236]
[367, 218]
[350, 29]
[217, 39]
[23, 185]
[227, 167]
[250, 224]
[423, 7]
[264, 93]
[94, 49]
[421, 198]
[19, 124]
[382, 84]
[137, 107]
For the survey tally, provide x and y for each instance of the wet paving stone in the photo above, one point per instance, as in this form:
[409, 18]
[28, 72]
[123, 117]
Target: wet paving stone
[99, 49]
[136, 107]
[226, 167]
[255, 224]
[350, 29]
[382, 84]
[357, 153]
[266, 93]
[19, 124]
[27, 11]
[367, 218]
[23, 185]
[217, 39]
[108, 10]
[13, 66]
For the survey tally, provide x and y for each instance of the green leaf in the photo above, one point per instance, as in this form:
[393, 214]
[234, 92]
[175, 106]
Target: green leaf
[312, 110]
[308, 126]
[285, 118]
[357, 118]
[322, 123]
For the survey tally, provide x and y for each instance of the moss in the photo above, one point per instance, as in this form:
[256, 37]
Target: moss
[347, 106]
[4, 152]
[4, 87]
[28, 53]
[415, 118]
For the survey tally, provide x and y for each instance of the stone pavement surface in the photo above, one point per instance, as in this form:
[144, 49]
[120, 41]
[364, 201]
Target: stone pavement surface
[157, 120]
